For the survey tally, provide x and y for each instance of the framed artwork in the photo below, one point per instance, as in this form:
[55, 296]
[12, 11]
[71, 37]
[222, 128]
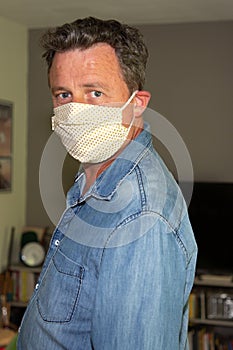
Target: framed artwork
[5, 146]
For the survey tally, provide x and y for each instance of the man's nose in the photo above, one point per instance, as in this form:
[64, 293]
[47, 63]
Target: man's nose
[79, 98]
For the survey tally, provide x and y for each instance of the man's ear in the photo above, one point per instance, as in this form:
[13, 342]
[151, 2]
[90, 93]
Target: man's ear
[141, 101]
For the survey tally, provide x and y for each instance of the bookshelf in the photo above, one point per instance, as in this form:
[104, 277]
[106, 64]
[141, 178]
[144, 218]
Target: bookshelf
[18, 281]
[211, 313]
[21, 284]
[23, 281]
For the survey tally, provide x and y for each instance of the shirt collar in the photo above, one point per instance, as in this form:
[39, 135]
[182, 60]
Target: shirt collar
[108, 181]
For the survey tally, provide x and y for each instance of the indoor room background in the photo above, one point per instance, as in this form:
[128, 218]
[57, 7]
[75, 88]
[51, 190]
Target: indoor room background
[190, 76]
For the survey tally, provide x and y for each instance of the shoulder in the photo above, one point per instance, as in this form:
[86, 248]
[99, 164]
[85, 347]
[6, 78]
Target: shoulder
[162, 200]
[158, 188]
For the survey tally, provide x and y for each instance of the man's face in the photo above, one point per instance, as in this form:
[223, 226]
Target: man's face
[87, 76]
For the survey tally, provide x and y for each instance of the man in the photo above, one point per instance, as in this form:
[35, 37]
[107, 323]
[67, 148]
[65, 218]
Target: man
[122, 260]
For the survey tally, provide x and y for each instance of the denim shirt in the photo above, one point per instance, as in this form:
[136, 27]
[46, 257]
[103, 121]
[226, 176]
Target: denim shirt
[121, 263]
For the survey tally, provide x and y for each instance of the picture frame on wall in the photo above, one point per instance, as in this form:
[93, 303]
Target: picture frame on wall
[5, 146]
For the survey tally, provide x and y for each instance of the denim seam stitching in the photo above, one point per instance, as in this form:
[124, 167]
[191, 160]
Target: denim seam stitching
[141, 187]
[135, 216]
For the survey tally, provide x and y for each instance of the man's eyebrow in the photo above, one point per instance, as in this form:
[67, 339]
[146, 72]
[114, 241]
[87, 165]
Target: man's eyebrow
[58, 88]
[95, 85]
[86, 85]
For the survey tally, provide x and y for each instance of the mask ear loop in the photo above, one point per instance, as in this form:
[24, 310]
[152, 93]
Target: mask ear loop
[129, 100]
[126, 104]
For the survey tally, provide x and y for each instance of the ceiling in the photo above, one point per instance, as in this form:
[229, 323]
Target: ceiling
[49, 13]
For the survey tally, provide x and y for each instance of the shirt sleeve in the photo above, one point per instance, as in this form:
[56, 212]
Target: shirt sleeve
[141, 301]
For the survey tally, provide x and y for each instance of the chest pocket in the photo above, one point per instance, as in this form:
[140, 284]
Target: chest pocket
[60, 289]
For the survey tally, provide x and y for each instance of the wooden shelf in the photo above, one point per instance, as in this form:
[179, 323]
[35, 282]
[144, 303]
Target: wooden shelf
[216, 322]
[22, 267]
[213, 283]
[18, 304]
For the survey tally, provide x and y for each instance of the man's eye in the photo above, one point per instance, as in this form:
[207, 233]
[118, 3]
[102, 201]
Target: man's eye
[64, 95]
[95, 94]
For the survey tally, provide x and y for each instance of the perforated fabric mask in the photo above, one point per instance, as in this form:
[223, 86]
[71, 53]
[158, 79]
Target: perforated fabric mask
[91, 133]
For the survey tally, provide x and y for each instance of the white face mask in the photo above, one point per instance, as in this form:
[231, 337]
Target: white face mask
[91, 133]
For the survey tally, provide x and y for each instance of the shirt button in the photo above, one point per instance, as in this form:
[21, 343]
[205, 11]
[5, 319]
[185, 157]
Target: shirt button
[37, 286]
[57, 242]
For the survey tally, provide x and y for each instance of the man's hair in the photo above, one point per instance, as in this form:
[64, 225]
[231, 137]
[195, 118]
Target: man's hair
[83, 33]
